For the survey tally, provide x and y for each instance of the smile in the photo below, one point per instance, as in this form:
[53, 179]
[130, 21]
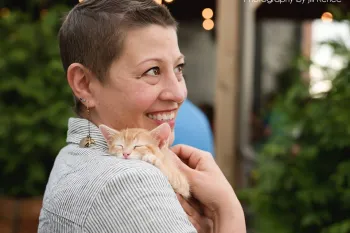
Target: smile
[169, 116]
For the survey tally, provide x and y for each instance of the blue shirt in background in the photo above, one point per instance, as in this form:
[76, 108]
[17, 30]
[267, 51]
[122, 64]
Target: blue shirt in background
[193, 128]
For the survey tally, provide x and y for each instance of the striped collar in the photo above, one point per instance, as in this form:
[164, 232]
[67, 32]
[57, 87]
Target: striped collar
[78, 129]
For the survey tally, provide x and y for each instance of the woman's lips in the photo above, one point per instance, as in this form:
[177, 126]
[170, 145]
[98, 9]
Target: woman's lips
[163, 117]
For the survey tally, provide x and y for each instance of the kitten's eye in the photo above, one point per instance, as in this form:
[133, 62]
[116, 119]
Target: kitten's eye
[121, 146]
[137, 146]
[154, 71]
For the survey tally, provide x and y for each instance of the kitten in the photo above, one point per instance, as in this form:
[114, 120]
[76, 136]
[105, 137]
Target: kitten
[149, 146]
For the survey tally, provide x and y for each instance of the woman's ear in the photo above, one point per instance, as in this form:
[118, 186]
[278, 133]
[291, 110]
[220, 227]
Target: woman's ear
[108, 133]
[79, 79]
[161, 134]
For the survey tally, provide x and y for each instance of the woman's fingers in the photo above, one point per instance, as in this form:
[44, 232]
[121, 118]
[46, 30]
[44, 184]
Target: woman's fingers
[190, 155]
[180, 163]
[208, 184]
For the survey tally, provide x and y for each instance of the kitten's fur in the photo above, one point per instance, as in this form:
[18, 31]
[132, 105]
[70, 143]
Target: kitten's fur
[149, 146]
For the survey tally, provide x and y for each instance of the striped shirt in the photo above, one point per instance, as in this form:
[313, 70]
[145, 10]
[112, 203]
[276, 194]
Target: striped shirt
[90, 191]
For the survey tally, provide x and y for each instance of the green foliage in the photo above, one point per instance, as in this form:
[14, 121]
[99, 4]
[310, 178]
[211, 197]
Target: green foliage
[303, 171]
[34, 101]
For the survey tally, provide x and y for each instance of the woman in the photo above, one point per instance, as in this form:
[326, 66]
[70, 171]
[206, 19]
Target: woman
[124, 67]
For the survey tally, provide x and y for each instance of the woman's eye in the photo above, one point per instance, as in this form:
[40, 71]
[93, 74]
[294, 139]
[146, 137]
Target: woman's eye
[179, 68]
[153, 71]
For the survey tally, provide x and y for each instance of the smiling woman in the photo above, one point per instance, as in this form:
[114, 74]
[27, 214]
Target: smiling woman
[124, 66]
[145, 85]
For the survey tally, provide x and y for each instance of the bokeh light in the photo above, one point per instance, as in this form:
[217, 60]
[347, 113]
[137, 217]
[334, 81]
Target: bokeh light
[207, 13]
[208, 24]
[327, 17]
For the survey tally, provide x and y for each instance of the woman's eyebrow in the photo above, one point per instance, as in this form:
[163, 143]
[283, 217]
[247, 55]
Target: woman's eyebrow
[149, 59]
[181, 57]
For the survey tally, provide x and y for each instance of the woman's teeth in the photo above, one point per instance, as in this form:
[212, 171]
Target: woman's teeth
[162, 116]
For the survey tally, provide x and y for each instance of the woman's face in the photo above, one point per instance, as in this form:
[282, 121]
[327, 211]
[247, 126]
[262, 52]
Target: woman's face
[145, 87]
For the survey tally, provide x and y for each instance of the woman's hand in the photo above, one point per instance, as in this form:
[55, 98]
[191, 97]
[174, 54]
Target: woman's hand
[194, 210]
[208, 183]
[210, 187]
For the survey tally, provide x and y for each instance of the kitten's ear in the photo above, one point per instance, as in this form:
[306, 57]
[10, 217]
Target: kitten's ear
[108, 132]
[161, 133]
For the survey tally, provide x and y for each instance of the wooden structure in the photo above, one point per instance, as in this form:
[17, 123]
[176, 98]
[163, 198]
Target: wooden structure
[226, 103]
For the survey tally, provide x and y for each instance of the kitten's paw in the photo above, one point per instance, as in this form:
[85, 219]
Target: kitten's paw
[182, 187]
[184, 192]
[150, 159]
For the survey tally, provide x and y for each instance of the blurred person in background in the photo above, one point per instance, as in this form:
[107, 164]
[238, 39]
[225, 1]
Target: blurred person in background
[193, 128]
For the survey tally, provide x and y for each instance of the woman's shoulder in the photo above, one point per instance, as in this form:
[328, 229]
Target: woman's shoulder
[98, 165]
[78, 178]
[90, 171]
[83, 188]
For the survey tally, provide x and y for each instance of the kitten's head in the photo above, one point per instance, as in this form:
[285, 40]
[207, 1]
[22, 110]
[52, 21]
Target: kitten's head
[134, 143]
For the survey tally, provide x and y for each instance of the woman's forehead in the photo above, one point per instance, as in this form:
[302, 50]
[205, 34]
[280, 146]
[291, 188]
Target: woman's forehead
[151, 43]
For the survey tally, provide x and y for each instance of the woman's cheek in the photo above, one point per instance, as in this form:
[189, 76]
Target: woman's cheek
[145, 98]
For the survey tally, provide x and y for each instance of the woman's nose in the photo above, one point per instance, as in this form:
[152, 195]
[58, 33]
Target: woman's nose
[173, 90]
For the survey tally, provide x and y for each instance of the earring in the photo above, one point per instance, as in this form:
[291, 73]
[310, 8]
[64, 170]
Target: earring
[87, 141]
[82, 100]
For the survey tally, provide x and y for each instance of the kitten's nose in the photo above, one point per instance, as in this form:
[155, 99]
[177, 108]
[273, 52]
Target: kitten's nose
[125, 154]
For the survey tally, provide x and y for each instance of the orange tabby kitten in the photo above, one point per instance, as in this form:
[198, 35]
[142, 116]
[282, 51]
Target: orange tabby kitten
[149, 146]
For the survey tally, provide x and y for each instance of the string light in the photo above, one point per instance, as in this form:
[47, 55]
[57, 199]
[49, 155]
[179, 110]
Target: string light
[207, 13]
[169, 1]
[158, 1]
[327, 17]
[80, 1]
[208, 24]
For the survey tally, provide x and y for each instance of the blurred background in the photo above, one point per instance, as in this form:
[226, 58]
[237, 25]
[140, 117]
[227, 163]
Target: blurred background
[272, 78]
